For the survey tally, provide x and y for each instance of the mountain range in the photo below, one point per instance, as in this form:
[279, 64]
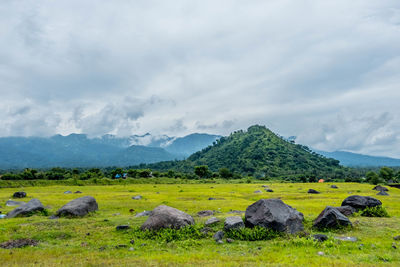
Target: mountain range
[78, 150]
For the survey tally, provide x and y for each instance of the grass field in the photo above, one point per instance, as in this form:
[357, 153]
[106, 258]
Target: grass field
[93, 240]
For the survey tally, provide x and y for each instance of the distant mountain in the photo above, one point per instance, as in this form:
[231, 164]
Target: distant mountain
[77, 150]
[360, 160]
[260, 152]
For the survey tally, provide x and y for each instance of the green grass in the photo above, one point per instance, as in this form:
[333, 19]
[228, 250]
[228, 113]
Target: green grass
[94, 241]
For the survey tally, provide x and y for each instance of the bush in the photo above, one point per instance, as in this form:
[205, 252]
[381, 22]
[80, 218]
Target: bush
[377, 211]
[252, 234]
[168, 235]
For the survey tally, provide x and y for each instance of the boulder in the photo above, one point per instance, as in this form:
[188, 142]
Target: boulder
[218, 235]
[320, 237]
[312, 191]
[334, 186]
[205, 213]
[269, 190]
[78, 207]
[274, 214]
[380, 188]
[346, 210]
[11, 203]
[331, 218]
[167, 217]
[78, 192]
[361, 202]
[19, 195]
[139, 197]
[257, 192]
[382, 193]
[122, 227]
[34, 205]
[143, 213]
[233, 222]
[211, 221]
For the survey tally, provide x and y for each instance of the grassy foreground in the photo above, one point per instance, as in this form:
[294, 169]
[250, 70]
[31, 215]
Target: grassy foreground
[93, 240]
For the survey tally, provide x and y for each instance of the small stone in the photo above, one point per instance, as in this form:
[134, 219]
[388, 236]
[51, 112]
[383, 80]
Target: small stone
[54, 217]
[269, 190]
[116, 214]
[220, 242]
[211, 198]
[229, 240]
[205, 230]
[121, 246]
[218, 235]
[205, 213]
[397, 237]
[139, 197]
[143, 244]
[212, 220]
[361, 246]
[382, 193]
[394, 245]
[102, 248]
[258, 192]
[131, 249]
[132, 241]
[78, 192]
[334, 186]
[68, 192]
[320, 253]
[123, 227]
[19, 195]
[312, 191]
[233, 222]
[88, 234]
[347, 238]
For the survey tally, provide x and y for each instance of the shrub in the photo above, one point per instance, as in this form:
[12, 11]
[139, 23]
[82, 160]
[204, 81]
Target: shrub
[377, 211]
[252, 234]
[168, 235]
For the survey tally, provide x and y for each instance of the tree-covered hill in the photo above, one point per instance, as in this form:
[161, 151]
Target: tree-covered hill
[259, 152]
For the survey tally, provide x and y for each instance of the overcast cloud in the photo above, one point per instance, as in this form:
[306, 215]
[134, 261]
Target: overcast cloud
[325, 71]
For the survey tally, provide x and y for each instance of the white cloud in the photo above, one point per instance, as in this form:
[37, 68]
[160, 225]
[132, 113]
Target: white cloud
[173, 68]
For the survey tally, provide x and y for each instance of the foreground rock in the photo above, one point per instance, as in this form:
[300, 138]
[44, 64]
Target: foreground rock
[382, 193]
[211, 221]
[205, 213]
[346, 210]
[11, 203]
[218, 235]
[274, 214]
[144, 213]
[331, 218]
[19, 243]
[167, 217]
[19, 195]
[312, 191]
[34, 205]
[334, 186]
[320, 237]
[233, 222]
[361, 202]
[380, 188]
[78, 207]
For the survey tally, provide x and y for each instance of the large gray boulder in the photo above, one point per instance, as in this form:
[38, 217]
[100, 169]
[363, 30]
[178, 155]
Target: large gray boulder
[382, 193]
[78, 207]
[274, 214]
[361, 202]
[167, 217]
[346, 210]
[331, 218]
[34, 205]
[233, 222]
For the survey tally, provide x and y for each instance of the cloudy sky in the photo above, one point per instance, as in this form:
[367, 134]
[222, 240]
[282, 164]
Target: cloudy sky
[325, 71]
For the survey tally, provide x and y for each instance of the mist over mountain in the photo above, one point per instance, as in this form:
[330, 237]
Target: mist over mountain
[359, 160]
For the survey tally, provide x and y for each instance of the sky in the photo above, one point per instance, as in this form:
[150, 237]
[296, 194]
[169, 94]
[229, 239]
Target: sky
[327, 72]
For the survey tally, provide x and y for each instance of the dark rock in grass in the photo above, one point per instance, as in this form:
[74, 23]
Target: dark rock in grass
[233, 222]
[320, 237]
[19, 243]
[397, 237]
[205, 213]
[218, 235]
[211, 198]
[11, 203]
[331, 218]
[347, 238]
[382, 193]
[78, 207]
[257, 192]
[380, 188]
[34, 205]
[167, 217]
[274, 214]
[211, 221]
[361, 202]
[346, 210]
[122, 227]
[269, 190]
[334, 186]
[394, 245]
[206, 230]
[312, 191]
[68, 192]
[19, 195]
[78, 192]
[229, 240]
[265, 186]
[139, 197]
[143, 213]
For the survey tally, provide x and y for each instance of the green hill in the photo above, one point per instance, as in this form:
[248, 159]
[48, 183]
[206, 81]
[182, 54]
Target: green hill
[260, 152]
